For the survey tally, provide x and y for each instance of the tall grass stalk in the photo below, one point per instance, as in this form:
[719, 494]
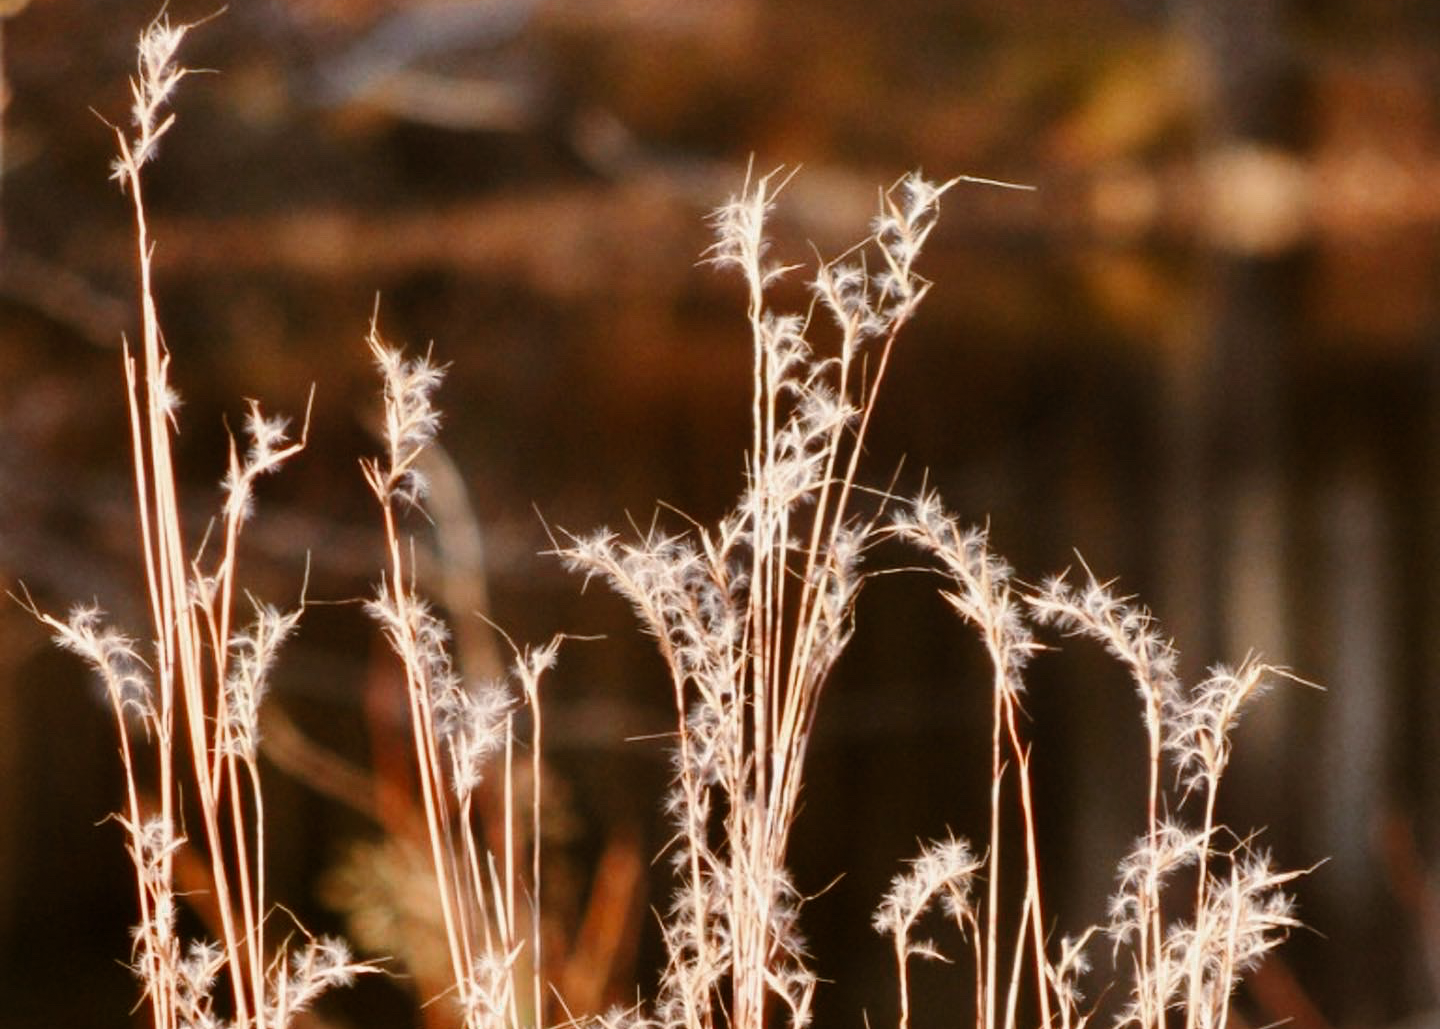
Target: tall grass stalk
[199, 679]
[457, 728]
[750, 617]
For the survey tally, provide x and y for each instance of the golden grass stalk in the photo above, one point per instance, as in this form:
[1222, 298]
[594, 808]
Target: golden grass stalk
[215, 700]
[457, 728]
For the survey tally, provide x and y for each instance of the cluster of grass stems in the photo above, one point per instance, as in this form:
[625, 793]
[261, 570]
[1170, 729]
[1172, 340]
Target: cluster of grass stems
[750, 617]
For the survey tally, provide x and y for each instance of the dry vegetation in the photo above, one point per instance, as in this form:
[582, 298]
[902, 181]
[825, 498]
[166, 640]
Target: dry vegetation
[750, 616]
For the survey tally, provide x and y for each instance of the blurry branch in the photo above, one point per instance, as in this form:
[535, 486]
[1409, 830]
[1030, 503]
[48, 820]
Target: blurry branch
[605, 944]
[64, 297]
[71, 541]
[325, 771]
[1412, 885]
[447, 102]
[587, 242]
[1250, 201]
[1281, 998]
[459, 570]
[402, 65]
[588, 232]
[418, 32]
[385, 69]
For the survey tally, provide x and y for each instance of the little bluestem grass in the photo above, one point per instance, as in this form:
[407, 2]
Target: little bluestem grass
[750, 617]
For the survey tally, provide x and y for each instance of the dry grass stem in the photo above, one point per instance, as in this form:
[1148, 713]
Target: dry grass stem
[215, 699]
[750, 616]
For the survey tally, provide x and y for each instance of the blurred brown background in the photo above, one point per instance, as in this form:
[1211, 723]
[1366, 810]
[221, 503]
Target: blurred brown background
[1205, 353]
